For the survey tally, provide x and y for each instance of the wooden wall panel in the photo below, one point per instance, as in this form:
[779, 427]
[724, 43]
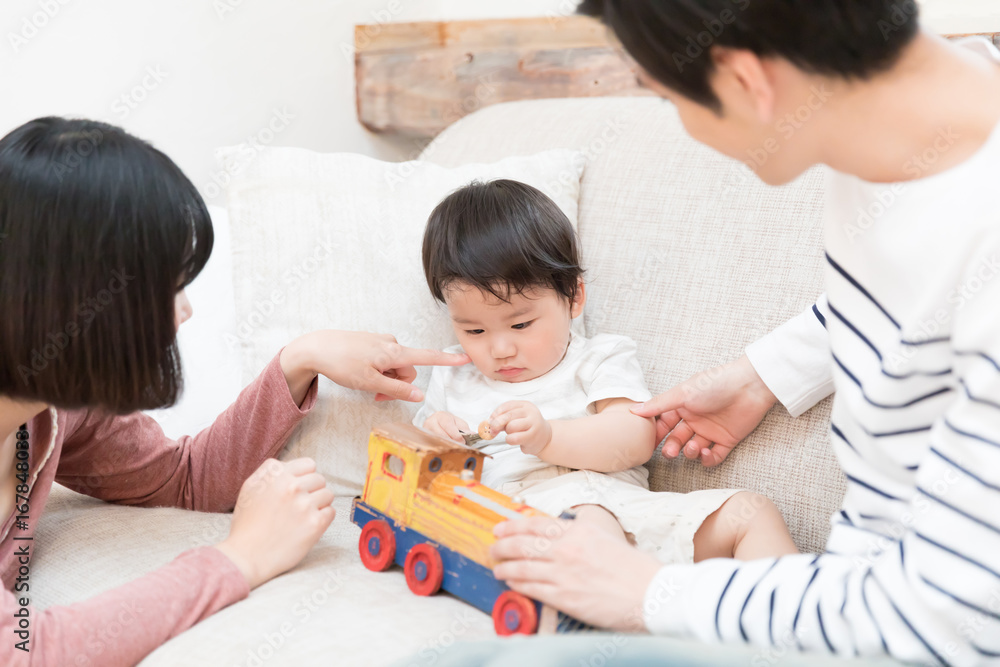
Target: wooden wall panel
[415, 79]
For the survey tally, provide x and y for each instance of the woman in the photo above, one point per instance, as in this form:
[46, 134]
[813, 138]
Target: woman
[99, 235]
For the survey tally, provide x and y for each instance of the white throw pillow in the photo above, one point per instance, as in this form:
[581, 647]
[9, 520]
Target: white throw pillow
[332, 241]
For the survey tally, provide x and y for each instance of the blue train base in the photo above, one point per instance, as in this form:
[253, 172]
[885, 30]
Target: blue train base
[512, 612]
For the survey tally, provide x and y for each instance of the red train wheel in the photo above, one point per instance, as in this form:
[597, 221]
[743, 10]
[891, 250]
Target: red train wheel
[423, 569]
[513, 614]
[377, 545]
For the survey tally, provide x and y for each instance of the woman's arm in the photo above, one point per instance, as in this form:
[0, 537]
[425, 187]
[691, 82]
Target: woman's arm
[129, 460]
[282, 510]
[613, 439]
[123, 625]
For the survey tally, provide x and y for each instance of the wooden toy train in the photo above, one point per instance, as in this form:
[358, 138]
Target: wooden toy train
[424, 508]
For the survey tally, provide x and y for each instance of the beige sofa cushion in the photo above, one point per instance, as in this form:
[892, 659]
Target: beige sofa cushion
[689, 269]
[333, 241]
[694, 258]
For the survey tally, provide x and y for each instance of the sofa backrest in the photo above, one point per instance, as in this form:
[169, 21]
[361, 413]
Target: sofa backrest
[690, 255]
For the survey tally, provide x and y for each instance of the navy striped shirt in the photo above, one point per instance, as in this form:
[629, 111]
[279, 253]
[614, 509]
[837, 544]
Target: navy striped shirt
[908, 335]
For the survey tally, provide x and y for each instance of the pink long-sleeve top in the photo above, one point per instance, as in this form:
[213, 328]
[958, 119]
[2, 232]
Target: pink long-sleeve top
[128, 460]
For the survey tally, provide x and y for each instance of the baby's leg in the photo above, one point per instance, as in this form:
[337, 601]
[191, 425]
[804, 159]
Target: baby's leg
[598, 516]
[747, 526]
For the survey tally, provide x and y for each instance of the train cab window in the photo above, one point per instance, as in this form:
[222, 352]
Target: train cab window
[470, 463]
[393, 466]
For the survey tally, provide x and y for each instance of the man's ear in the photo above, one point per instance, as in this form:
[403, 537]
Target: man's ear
[576, 307]
[743, 81]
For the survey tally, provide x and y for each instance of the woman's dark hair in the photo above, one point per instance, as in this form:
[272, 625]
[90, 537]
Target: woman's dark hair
[672, 39]
[503, 237]
[98, 232]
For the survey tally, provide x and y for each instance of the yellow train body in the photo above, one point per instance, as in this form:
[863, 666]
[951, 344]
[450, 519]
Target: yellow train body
[434, 486]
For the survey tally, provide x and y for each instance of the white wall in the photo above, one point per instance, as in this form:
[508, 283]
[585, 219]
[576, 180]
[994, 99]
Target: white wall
[190, 75]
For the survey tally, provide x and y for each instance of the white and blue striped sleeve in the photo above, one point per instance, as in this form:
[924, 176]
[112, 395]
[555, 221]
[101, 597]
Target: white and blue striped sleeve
[929, 591]
[794, 360]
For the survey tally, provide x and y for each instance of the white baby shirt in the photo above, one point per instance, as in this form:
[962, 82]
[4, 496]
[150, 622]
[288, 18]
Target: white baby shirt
[593, 369]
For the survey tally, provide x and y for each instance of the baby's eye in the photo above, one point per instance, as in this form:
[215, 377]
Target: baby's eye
[473, 332]
[522, 325]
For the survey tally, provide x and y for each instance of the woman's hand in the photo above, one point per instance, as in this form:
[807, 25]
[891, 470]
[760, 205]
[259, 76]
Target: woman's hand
[282, 511]
[359, 360]
[447, 426]
[576, 567]
[710, 413]
[524, 424]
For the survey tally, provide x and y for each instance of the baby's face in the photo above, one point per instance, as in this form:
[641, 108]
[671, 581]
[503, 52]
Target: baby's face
[516, 341]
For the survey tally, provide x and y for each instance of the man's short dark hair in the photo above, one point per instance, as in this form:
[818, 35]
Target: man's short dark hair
[672, 39]
[503, 237]
[98, 232]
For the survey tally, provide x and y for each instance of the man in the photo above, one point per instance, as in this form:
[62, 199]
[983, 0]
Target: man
[907, 334]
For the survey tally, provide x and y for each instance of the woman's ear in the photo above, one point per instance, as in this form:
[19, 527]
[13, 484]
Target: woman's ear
[576, 307]
[743, 83]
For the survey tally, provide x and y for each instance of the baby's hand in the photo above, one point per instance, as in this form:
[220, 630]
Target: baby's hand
[447, 426]
[524, 425]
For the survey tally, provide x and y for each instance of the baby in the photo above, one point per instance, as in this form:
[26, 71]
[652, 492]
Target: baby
[504, 259]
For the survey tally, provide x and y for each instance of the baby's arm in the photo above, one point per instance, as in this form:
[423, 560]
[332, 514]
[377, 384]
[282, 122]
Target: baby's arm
[613, 439]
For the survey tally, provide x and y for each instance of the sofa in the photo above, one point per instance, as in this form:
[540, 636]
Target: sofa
[685, 252]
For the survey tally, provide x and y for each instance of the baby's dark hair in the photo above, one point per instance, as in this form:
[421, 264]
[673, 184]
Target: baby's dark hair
[503, 237]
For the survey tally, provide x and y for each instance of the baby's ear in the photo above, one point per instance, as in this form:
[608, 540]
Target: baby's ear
[576, 307]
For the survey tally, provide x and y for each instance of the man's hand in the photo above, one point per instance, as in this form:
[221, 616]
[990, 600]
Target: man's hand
[447, 426]
[360, 360]
[710, 413]
[576, 567]
[524, 424]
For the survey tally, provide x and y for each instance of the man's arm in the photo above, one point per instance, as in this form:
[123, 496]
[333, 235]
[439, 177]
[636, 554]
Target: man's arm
[932, 594]
[794, 359]
[710, 413]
